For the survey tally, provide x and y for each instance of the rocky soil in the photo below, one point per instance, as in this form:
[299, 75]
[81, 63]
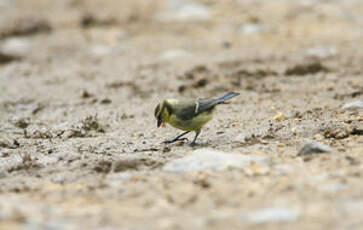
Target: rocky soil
[79, 147]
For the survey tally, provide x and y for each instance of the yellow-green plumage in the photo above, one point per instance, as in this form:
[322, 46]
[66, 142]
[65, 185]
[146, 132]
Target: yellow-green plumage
[191, 125]
[188, 115]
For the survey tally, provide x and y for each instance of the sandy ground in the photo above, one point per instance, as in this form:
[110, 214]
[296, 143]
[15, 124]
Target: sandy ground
[79, 80]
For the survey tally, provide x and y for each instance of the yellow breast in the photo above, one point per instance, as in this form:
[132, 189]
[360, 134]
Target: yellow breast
[193, 124]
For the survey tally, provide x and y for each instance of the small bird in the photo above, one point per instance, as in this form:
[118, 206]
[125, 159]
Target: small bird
[188, 114]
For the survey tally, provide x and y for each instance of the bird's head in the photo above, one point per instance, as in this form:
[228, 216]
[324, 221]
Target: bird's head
[162, 113]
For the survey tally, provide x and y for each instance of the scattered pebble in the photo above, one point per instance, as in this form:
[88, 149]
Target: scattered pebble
[253, 28]
[338, 131]
[355, 105]
[89, 20]
[6, 58]
[271, 215]
[103, 166]
[293, 130]
[174, 53]
[279, 117]
[25, 25]
[86, 94]
[192, 11]
[101, 50]
[203, 159]
[6, 143]
[184, 11]
[314, 147]
[306, 68]
[255, 169]
[106, 101]
[318, 136]
[200, 83]
[120, 175]
[242, 137]
[125, 165]
[87, 127]
[246, 138]
[17, 47]
[115, 179]
[321, 52]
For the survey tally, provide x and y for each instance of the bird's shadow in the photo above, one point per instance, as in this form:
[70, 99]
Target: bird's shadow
[187, 143]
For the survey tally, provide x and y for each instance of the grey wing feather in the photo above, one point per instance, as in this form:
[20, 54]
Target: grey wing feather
[209, 103]
[206, 104]
[186, 111]
[191, 108]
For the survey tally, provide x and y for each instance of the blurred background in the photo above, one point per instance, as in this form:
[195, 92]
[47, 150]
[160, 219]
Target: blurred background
[79, 81]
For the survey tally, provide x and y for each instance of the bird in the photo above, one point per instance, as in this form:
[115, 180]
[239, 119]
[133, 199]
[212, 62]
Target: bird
[188, 114]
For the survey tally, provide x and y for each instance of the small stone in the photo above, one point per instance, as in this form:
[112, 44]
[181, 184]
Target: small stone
[86, 94]
[355, 105]
[182, 88]
[314, 147]
[192, 11]
[318, 136]
[173, 54]
[271, 215]
[89, 20]
[245, 137]
[26, 24]
[22, 122]
[255, 169]
[166, 149]
[200, 83]
[4, 143]
[106, 101]
[101, 50]
[279, 117]
[204, 159]
[253, 28]
[321, 52]
[6, 58]
[15, 46]
[184, 11]
[293, 130]
[116, 177]
[306, 68]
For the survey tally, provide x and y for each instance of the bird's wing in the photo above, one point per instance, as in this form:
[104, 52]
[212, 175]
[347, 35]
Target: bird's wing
[186, 110]
[209, 103]
[205, 105]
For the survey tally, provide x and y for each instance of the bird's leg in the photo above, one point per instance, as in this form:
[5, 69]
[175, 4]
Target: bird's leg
[195, 138]
[177, 138]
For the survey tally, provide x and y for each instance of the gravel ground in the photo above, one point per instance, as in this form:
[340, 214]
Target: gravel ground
[79, 147]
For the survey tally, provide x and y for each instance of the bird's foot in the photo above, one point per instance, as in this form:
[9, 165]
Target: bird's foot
[174, 140]
[192, 144]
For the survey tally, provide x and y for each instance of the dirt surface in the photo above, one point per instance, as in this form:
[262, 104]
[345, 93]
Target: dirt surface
[79, 80]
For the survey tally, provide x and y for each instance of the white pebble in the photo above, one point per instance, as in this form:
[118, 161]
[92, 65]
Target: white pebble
[355, 105]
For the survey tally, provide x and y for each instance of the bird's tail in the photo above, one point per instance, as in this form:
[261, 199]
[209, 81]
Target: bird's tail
[226, 97]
